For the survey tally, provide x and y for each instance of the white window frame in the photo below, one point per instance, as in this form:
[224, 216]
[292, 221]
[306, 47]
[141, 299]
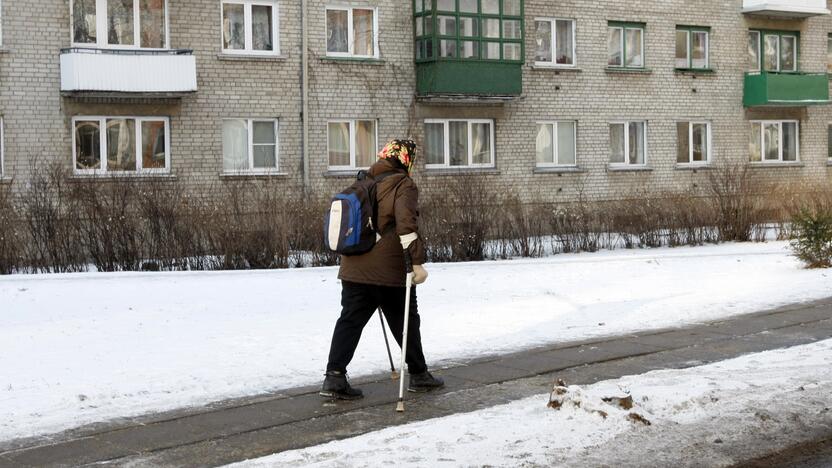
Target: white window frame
[103, 31]
[351, 31]
[779, 159]
[553, 28]
[627, 162]
[250, 130]
[622, 29]
[555, 146]
[447, 144]
[353, 123]
[102, 126]
[247, 19]
[708, 145]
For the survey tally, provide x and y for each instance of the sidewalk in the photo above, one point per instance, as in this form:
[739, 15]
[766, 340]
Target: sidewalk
[241, 429]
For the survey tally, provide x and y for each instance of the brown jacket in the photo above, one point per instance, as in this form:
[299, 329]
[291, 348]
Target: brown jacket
[398, 199]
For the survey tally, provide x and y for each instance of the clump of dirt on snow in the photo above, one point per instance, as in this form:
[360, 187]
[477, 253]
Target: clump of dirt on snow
[566, 396]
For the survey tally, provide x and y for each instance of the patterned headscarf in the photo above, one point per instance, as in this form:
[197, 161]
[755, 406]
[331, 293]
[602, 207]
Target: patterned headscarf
[403, 151]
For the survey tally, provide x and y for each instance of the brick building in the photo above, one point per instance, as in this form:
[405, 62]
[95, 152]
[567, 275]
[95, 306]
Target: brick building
[550, 97]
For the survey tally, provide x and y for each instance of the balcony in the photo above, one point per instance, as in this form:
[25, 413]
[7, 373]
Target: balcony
[773, 89]
[789, 9]
[122, 72]
[468, 79]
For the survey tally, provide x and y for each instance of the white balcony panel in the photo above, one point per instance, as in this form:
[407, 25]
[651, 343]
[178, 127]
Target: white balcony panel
[105, 71]
[785, 8]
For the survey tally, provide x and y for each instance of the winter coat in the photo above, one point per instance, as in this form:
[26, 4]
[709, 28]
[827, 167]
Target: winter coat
[398, 199]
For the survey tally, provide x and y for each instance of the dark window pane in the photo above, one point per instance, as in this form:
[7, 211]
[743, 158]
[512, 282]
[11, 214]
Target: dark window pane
[121, 145]
[87, 145]
[154, 149]
[83, 21]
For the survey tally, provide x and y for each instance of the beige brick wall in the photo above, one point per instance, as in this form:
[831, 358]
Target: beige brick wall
[37, 118]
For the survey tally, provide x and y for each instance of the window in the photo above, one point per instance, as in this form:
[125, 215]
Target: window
[625, 43]
[829, 54]
[249, 145]
[351, 144]
[556, 143]
[628, 143]
[459, 143]
[120, 145]
[555, 41]
[469, 30]
[120, 23]
[774, 141]
[828, 141]
[250, 27]
[693, 141]
[772, 51]
[2, 147]
[351, 32]
[692, 48]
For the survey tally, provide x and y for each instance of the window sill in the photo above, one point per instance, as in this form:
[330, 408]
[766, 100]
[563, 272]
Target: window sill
[8, 180]
[775, 165]
[357, 60]
[461, 171]
[350, 174]
[692, 167]
[252, 175]
[252, 57]
[556, 68]
[695, 71]
[106, 177]
[829, 163]
[626, 71]
[4, 50]
[559, 170]
[614, 168]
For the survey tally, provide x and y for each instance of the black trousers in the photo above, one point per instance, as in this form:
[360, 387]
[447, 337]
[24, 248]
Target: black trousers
[359, 302]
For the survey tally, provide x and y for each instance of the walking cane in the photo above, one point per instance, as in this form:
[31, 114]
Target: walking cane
[408, 263]
[393, 373]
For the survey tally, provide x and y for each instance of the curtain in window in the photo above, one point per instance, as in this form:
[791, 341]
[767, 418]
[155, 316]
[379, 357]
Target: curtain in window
[512, 51]
[565, 40]
[365, 143]
[636, 142]
[700, 142]
[491, 7]
[234, 145]
[491, 28]
[545, 150]
[337, 31]
[617, 143]
[481, 142]
[635, 54]
[682, 49]
[445, 5]
[753, 50]
[566, 143]
[789, 141]
[120, 22]
[829, 54]
[339, 144]
[233, 26]
[87, 145]
[543, 41]
[467, 6]
[261, 27]
[468, 27]
[435, 143]
[511, 7]
[771, 139]
[754, 145]
[682, 142]
[152, 22]
[83, 22]
[265, 145]
[699, 49]
[614, 47]
[771, 53]
[153, 145]
[829, 142]
[458, 142]
[787, 53]
[121, 145]
[512, 29]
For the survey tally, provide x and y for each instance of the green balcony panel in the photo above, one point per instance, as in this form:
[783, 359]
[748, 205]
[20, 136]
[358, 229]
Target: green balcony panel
[772, 89]
[469, 78]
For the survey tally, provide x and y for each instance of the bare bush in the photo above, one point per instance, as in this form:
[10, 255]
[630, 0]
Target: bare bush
[11, 233]
[737, 201]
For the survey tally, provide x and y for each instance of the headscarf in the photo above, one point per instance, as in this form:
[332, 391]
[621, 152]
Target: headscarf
[403, 151]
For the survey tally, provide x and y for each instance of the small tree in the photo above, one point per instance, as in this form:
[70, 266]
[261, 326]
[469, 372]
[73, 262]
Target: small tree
[812, 242]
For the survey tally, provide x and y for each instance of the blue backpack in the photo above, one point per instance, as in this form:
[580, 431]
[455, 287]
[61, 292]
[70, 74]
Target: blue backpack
[350, 224]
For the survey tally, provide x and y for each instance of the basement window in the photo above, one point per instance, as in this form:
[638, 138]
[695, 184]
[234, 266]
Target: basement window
[120, 145]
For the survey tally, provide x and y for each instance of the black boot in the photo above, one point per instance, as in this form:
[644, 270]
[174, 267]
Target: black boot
[424, 382]
[336, 386]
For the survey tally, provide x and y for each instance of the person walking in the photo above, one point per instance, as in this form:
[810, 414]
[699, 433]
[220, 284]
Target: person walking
[376, 279]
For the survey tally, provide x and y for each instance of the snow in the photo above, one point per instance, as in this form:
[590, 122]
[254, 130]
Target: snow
[81, 348]
[762, 395]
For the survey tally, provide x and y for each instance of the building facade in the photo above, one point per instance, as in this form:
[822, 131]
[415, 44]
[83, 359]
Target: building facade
[551, 99]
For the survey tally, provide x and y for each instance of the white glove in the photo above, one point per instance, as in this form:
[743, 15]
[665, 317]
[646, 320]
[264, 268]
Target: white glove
[420, 275]
[408, 239]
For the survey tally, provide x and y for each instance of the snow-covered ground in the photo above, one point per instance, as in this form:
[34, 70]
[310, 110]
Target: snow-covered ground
[82, 348]
[745, 405]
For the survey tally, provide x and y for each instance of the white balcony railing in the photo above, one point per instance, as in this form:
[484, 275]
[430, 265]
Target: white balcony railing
[147, 72]
[785, 8]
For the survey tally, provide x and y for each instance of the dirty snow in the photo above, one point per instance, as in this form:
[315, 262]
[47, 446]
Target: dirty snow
[723, 413]
[82, 348]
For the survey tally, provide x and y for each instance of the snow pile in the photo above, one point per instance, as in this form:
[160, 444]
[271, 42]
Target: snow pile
[745, 404]
[82, 348]
[574, 397]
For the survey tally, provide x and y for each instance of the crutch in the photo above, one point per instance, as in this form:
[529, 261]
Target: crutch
[408, 263]
[393, 374]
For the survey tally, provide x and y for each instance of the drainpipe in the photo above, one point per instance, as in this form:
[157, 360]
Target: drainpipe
[305, 93]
